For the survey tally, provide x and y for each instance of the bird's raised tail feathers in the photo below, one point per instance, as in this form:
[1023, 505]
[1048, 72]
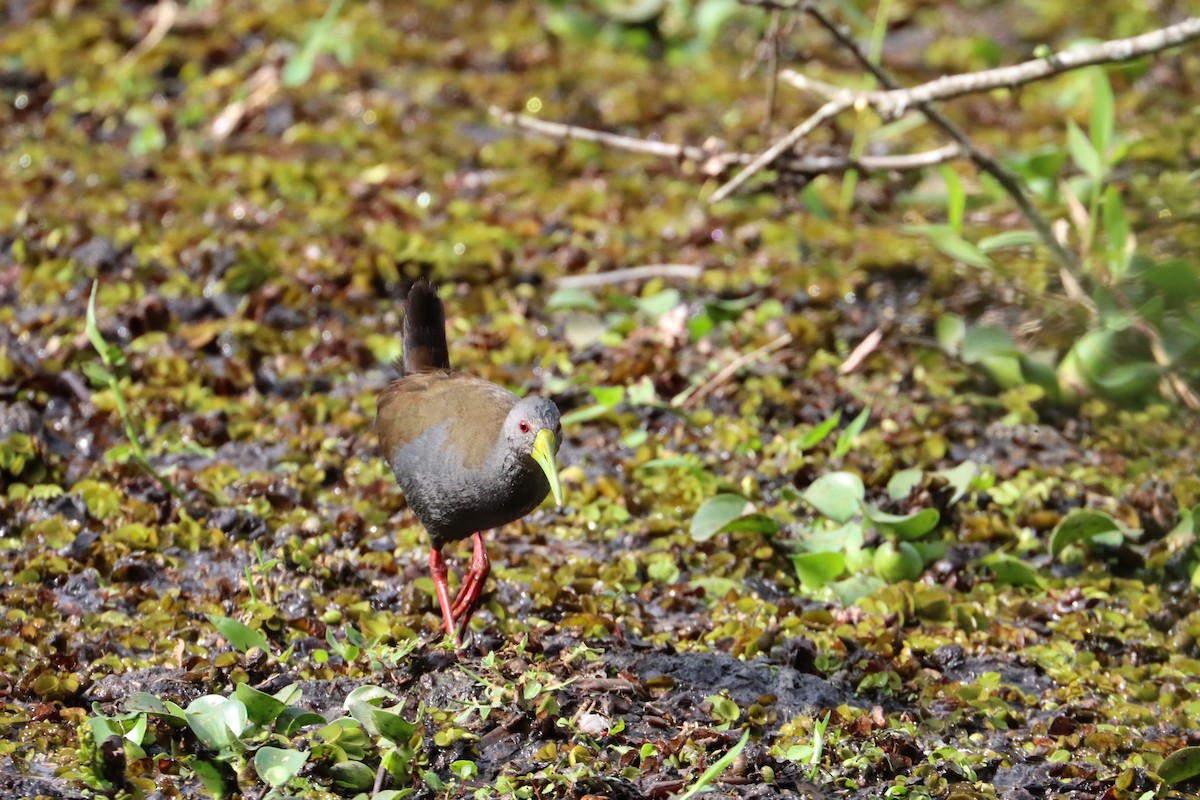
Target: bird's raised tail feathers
[424, 333]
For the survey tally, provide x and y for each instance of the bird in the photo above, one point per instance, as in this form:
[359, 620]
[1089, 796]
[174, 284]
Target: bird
[468, 454]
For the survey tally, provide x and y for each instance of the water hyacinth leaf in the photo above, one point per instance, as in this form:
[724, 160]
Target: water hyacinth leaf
[903, 482]
[850, 590]
[654, 306]
[276, 765]
[984, 341]
[585, 414]
[1182, 765]
[351, 777]
[846, 438]
[837, 495]
[146, 703]
[1012, 571]
[582, 330]
[959, 478]
[261, 707]
[817, 434]
[845, 538]
[1083, 525]
[608, 395]
[239, 634]
[815, 570]
[293, 718]
[903, 526]
[218, 722]
[950, 330]
[1128, 381]
[218, 777]
[569, 299]
[716, 513]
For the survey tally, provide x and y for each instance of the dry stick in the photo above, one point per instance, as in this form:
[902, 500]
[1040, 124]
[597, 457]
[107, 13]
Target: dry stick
[645, 273]
[811, 165]
[860, 353]
[897, 100]
[730, 369]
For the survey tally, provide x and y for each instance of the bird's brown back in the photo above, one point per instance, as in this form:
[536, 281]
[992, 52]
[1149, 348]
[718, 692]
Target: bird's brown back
[472, 409]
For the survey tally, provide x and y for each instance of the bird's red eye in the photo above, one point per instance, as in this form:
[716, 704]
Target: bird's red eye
[524, 426]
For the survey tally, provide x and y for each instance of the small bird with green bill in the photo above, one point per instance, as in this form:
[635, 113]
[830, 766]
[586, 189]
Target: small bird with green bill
[468, 454]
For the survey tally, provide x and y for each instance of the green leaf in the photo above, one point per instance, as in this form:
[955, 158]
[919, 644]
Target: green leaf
[1082, 525]
[815, 570]
[956, 198]
[351, 777]
[837, 495]
[959, 478]
[293, 718]
[1128, 381]
[713, 772]
[1084, 154]
[276, 766]
[261, 707]
[1008, 239]
[958, 248]
[238, 634]
[363, 704]
[93, 330]
[1101, 128]
[1182, 765]
[950, 330]
[146, 703]
[608, 395]
[585, 414]
[817, 434]
[1116, 228]
[572, 300]
[716, 513]
[984, 341]
[903, 526]
[846, 438]
[903, 482]
[218, 722]
[218, 777]
[1012, 571]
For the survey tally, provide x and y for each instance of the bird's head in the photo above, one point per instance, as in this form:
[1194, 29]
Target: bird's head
[534, 428]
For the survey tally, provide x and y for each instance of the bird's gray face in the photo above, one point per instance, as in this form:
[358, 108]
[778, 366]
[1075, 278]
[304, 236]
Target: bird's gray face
[534, 428]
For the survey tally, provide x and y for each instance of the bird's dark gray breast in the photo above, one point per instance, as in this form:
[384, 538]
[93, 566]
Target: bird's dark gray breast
[453, 501]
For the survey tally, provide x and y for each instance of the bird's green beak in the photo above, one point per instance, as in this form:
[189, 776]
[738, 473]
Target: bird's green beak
[543, 454]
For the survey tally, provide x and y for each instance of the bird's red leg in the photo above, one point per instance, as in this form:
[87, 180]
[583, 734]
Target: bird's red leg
[472, 588]
[437, 568]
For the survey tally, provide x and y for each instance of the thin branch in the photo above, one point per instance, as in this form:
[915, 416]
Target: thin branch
[699, 391]
[683, 271]
[860, 353]
[716, 162]
[897, 100]
[1007, 180]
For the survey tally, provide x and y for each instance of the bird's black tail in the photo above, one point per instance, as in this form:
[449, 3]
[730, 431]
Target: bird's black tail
[424, 334]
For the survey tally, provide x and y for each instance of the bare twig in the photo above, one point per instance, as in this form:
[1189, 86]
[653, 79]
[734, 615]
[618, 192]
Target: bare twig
[700, 391]
[1007, 180]
[716, 162]
[165, 15]
[896, 100]
[645, 273]
[860, 353]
